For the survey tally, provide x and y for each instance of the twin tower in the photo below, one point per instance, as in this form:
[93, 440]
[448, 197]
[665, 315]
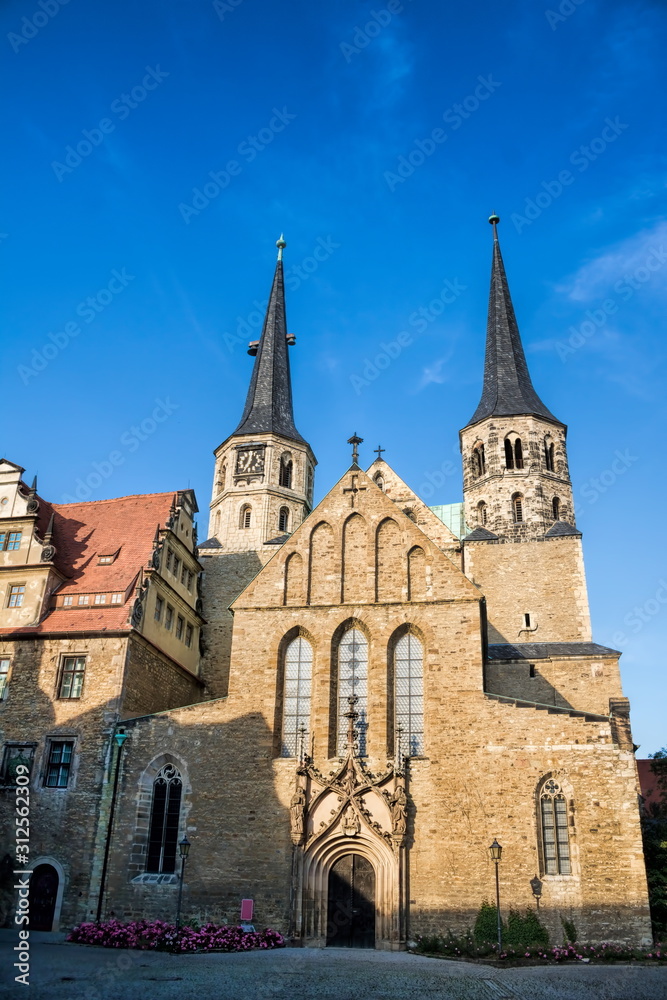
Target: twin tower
[516, 483]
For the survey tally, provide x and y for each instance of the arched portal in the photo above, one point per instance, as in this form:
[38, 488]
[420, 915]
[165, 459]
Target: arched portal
[351, 903]
[42, 897]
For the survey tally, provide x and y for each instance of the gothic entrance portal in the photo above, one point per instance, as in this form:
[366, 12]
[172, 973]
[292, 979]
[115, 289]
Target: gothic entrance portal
[42, 895]
[351, 903]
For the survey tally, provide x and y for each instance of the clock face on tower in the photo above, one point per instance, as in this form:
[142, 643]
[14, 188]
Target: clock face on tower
[250, 460]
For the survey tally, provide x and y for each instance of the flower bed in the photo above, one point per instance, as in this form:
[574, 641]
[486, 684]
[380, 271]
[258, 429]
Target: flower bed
[160, 936]
[468, 948]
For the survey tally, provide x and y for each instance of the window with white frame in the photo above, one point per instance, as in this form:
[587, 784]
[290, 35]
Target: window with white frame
[72, 674]
[5, 664]
[16, 595]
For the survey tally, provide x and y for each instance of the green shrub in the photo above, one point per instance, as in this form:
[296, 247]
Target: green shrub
[486, 924]
[525, 931]
[570, 930]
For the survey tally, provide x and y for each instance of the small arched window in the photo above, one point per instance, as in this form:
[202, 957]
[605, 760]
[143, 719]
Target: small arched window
[517, 508]
[378, 479]
[554, 830]
[216, 528]
[518, 454]
[296, 694]
[555, 509]
[409, 695]
[246, 516]
[285, 476]
[165, 815]
[481, 512]
[283, 519]
[353, 680]
[478, 460]
[409, 512]
[549, 461]
[509, 454]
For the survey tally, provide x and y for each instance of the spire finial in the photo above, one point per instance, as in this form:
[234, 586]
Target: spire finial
[355, 441]
[494, 220]
[378, 451]
[281, 246]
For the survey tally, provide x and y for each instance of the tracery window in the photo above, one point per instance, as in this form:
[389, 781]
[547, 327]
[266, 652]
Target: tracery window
[409, 694]
[165, 815]
[353, 680]
[296, 694]
[554, 830]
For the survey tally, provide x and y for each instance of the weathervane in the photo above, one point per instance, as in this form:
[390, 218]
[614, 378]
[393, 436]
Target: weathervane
[355, 441]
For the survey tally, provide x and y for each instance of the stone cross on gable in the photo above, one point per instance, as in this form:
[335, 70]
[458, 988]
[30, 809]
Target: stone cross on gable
[353, 489]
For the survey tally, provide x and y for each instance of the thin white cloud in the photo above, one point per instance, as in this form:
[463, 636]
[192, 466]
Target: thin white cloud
[630, 257]
[434, 373]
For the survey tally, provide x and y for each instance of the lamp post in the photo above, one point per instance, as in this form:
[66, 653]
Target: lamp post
[120, 738]
[496, 854]
[183, 850]
[536, 887]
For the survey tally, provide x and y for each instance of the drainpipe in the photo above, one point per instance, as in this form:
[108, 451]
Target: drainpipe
[120, 738]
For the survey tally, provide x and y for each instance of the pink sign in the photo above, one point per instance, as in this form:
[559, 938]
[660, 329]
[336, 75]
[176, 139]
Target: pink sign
[247, 907]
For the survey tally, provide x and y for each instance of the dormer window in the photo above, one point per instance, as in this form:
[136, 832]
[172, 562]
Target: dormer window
[106, 560]
[10, 541]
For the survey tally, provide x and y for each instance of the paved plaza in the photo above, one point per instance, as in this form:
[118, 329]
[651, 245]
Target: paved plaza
[62, 971]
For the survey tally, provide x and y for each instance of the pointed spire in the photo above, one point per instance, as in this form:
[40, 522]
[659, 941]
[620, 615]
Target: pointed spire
[508, 388]
[268, 408]
[33, 488]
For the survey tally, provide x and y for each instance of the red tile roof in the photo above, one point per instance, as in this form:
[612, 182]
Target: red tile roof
[84, 531]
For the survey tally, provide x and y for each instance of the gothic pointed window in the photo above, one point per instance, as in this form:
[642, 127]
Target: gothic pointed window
[481, 512]
[352, 680]
[409, 695]
[517, 508]
[165, 815]
[246, 516]
[478, 460]
[285, 475]
[518, 454]
[283, 519]
[555, 509]
[555, 840]
[298, 670]
[378, 479]
[509, 454]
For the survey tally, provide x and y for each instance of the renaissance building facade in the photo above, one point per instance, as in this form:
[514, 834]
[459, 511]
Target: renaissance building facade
[339, 707]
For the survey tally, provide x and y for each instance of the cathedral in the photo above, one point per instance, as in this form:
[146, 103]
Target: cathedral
[336, 709]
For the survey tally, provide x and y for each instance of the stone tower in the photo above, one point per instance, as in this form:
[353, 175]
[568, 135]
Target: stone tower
[516, 481]
[263, 481]
[523, 549]
[262, 486]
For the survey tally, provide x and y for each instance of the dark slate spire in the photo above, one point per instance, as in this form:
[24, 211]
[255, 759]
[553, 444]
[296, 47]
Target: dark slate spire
[507, 389]
[268, 408]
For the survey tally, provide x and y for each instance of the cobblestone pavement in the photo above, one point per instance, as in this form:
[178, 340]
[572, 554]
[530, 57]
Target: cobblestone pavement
[73, 972]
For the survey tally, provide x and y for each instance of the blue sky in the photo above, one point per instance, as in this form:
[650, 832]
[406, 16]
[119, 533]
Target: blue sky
[378, 137]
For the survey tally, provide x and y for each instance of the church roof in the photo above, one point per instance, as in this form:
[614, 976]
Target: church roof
[561, 528]
[268, 408]
[545, 650]
[480, 535]
[508, 389]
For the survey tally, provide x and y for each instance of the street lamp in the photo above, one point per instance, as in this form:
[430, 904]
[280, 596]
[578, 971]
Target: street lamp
[536, 887]
[496, 854]
[120, 738]
[183, 850]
